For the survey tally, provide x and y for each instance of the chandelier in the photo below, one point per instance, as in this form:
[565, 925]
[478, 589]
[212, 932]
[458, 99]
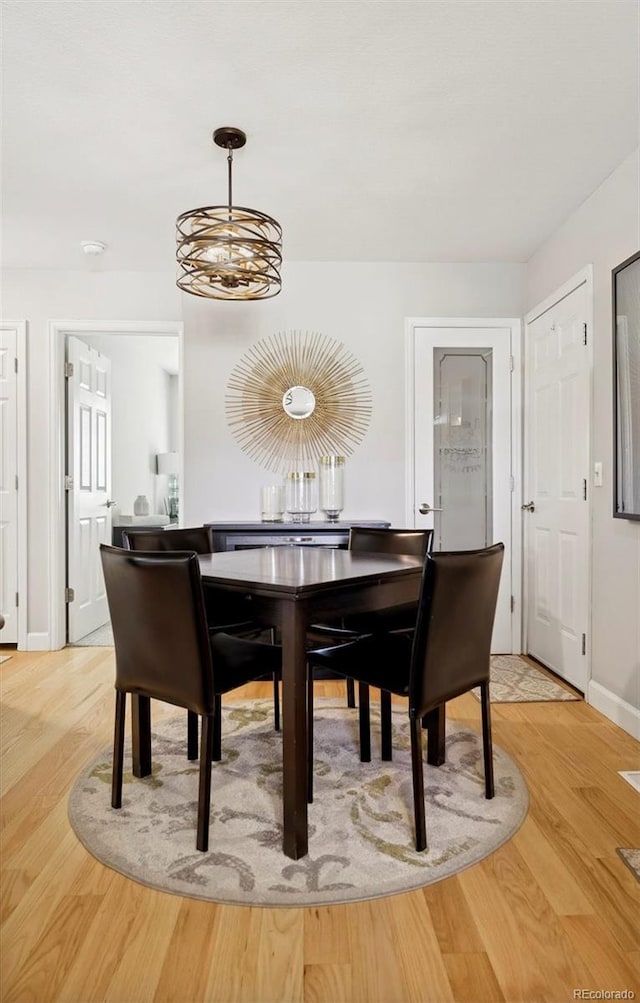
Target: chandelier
[229, 252]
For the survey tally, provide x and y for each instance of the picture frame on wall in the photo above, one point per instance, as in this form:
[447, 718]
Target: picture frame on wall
[625, 279]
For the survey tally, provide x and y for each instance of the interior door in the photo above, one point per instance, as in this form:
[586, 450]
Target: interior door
[8, 487]
[557, 516]
[88, 485]
[462, 446]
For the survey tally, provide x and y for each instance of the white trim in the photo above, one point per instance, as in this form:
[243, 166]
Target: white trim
[58, 331]
[515, 326]
[38, 642]
[20, 328]
[583, 277]
[624, 714]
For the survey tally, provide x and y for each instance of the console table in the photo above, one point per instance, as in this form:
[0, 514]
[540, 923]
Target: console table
[248, 535]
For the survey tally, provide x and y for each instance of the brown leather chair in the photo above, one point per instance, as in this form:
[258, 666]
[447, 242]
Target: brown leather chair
[448, 654]
[164, 651]
[224, 613]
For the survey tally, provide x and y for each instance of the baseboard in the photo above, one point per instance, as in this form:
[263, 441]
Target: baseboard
[615, 708]
[38, 642]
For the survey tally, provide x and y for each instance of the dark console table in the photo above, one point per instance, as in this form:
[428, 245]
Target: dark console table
[248, 535]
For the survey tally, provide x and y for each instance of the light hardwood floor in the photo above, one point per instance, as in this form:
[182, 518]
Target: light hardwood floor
[553, 911]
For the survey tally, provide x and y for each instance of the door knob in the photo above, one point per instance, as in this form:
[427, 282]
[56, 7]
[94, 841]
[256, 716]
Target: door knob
[529, 507]
[425, 509]
[109, 503]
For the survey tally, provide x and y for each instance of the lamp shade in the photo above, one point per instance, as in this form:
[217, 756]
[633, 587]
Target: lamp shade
[167, 463]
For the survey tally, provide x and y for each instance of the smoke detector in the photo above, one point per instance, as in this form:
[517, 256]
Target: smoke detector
[93, 247]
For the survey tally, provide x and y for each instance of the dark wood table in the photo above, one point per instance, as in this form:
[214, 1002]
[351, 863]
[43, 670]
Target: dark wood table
[290, 588]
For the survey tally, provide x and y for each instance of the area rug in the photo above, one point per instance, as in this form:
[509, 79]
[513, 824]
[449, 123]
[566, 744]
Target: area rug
[361, 836]
[631, 858]
[4, 658]
[100, 638]
[513, 680]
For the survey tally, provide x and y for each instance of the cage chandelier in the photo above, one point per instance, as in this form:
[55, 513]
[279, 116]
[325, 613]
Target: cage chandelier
[229, 252]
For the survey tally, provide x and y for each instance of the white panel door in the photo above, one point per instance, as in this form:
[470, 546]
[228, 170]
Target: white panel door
[462, 446]
[556, 523]
[8, 487]
[88, 493]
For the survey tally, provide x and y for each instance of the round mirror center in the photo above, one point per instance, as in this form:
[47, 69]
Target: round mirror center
[298, 402]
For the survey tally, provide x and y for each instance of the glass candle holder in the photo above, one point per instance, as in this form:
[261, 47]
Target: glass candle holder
[272, 505]
[331, 486]
[301, 494]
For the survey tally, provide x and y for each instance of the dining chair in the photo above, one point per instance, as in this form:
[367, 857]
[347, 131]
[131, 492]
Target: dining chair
[365, 539]
[164, 651]
[223, 612]
[446, 655]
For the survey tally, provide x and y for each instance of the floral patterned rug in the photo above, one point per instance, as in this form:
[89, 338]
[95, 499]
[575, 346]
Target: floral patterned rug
[361, 835]
[514, 680]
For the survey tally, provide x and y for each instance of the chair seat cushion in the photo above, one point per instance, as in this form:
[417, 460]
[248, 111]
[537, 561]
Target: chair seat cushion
[381, 660]
[236, 659]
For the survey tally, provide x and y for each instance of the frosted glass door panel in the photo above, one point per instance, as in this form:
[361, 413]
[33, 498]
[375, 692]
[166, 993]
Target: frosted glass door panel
[462, 445]
[462, 451]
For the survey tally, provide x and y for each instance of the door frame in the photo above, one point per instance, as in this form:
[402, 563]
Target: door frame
[58, 331]
[20, 328]
[583, 277]
[514, 324]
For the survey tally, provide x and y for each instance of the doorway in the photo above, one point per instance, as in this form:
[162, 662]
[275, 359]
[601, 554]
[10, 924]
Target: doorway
[13, 483]
[558, 487]
[463, 436]
[101, 333]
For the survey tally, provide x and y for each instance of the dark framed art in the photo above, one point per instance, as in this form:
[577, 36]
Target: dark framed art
[625, 292]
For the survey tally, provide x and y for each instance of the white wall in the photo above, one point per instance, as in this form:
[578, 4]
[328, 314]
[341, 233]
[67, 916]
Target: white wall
[144, 420]
[41, 296]
[362, 305]
[604, 231]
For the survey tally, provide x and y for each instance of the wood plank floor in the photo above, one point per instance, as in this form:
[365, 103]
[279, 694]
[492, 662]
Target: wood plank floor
[553, 911]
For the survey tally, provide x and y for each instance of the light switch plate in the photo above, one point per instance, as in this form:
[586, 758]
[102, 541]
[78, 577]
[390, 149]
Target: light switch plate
[597, 475]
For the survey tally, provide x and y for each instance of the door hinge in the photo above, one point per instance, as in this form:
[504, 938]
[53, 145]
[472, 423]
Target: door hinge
[68, 370]
[15, 364]
[68, 482]
[512, 364]
[512, 482]
[69, 595]
[17, 598]
[584, 488]
[513, 603]
[584, 334]
[16, 482]
[584, 644]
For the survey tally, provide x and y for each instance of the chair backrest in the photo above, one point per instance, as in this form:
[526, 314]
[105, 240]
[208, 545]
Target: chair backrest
[416, 542]
[198, 540]
[159, 628]
[456, 610]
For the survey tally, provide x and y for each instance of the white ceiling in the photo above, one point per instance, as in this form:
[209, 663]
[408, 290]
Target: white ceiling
[404, 130]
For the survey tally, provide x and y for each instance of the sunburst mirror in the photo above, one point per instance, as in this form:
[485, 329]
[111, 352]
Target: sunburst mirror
[294, 397]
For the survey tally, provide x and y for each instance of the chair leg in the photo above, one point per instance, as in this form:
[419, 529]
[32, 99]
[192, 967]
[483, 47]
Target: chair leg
[365, 723]
[276, 701]
[309, 734]
[192, 735]
[487, 747]
[204, 786]
[435, 723]
[216, 742]
[118, 750]
[351, 693]
[418, 784]
[385, 725]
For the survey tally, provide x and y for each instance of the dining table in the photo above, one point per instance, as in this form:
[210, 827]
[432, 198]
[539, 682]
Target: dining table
[290, 588]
